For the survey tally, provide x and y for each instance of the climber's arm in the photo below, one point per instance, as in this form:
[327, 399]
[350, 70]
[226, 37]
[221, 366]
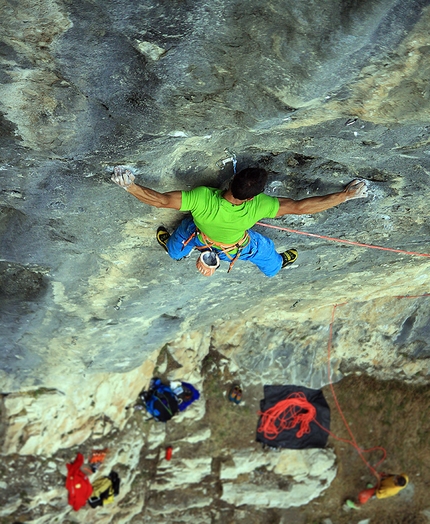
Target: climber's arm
[125, 179]
[172, 199]
[308, 206]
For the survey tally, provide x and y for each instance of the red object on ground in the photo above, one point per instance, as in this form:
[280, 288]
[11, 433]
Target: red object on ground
[169, 452]
[365, 495]
[98, 455]
[77, 484]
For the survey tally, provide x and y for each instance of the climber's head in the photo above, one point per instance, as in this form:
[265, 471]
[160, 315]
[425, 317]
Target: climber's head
[248, 183]
[400, 480]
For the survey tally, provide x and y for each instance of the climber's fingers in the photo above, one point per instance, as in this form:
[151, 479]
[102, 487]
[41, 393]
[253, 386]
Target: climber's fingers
[122, 177]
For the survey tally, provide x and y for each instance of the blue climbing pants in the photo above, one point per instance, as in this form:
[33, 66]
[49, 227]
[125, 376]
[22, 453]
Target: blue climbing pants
[260, 250]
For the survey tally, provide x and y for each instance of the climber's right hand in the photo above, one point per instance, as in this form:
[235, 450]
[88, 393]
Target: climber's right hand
[123, 177]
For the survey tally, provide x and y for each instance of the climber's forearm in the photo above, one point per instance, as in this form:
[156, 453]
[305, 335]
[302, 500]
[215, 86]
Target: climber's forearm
[171, 200]
[308, 206]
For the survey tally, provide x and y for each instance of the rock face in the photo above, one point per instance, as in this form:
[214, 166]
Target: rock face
[308, 471]
[318, 93]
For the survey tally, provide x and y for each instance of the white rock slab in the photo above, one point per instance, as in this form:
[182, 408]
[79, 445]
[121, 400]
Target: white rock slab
[310, 472]
[179, 473]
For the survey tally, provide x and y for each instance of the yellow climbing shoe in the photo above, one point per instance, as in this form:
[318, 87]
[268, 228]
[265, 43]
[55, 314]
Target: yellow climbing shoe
[289, 257]
[162, 237]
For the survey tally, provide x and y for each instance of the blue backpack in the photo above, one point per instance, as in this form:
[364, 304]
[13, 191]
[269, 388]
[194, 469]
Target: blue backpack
[160, 401]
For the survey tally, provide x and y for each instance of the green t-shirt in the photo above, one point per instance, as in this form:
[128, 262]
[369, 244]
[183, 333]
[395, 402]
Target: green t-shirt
[222, 221]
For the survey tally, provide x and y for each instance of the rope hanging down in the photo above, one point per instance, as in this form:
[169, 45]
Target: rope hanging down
[352, 441]
[350, 242]
[297, 410]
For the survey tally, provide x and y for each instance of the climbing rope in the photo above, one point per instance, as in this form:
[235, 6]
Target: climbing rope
[296, 410]
[287, 414]
[350, 242]
[352, 441]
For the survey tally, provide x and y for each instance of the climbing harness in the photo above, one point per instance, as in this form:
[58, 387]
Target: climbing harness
[208, 262]
[213, 246]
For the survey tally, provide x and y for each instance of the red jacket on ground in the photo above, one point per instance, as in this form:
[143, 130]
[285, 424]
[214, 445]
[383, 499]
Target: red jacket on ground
[77, 484]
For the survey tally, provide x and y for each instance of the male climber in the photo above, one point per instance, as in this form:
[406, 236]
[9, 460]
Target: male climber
[221, 220]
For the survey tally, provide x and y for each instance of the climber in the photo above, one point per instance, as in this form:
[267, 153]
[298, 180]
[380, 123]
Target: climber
[221, 220]
[388, 486]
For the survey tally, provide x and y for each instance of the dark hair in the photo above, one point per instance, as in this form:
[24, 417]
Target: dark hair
[401, 481]
[248, 183]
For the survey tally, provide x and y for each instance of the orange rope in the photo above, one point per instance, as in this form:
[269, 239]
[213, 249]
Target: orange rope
[350, 242]
[353, 442]
[413, 296]
[286, 414]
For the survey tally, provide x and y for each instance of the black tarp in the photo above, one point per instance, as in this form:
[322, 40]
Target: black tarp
[317, 438]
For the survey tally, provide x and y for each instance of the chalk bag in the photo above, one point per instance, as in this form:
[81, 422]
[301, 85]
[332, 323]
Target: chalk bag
[207, 263]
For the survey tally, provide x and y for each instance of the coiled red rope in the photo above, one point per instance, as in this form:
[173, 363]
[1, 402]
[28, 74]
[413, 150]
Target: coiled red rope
[287, 414]
[350, 242]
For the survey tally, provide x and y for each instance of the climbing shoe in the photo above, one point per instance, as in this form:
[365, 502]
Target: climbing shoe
[162, 237]
[289, 257]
